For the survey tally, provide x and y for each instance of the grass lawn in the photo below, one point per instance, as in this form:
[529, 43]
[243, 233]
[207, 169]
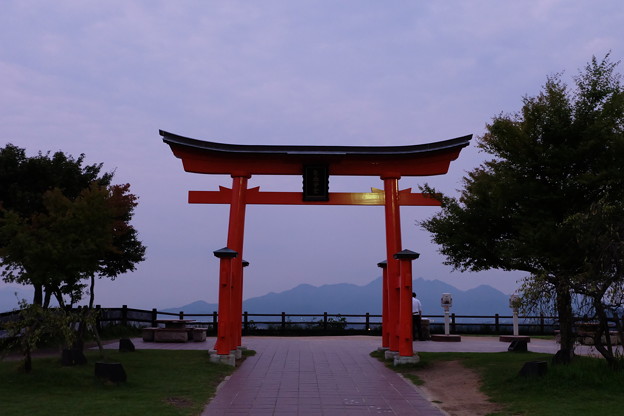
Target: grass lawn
[584, 387]
[160, 382]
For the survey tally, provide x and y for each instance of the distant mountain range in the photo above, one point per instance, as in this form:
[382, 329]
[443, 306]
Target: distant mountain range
[346, 298]
[343, 298]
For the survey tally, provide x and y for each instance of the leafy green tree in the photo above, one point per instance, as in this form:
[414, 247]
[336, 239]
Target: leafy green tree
[62, 223]
[600, 282]
[36, 326]
[523, 209]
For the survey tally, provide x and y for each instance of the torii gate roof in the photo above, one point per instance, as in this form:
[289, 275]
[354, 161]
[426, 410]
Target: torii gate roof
[220, 158]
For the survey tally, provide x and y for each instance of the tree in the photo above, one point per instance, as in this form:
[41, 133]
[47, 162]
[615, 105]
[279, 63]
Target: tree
[36, 326]
[62, 223]
[523, 209]
[600, 283]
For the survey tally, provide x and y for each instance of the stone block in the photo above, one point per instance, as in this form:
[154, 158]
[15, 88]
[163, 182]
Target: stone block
[148, 334]
[199, 334]
[400, 360]
[446, 338]
[228, 359]
[170, 335]
[533, 369]
[511, 338]
[110, 371]
[518, 345]
[126, 345]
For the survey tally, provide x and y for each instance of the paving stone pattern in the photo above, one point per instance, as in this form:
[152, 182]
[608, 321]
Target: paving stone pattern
[329, 375]
[316, 376]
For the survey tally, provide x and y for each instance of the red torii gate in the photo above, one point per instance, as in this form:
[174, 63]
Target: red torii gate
[316, 163]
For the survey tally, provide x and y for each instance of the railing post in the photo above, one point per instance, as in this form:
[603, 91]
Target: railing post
[181, 315]
[124, 315]
[542, 329]
[245, 322]
[367, 327]
[497, 324]
[215, 321]
[154, 317]
[325, 321]
[283, 321]
[453, 327]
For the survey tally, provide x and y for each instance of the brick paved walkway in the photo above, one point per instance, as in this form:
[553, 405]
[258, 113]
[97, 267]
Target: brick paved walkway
[328, 376]
[316, 376]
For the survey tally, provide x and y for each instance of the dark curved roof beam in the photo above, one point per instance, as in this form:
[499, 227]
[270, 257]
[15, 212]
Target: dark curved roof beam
[221, 158]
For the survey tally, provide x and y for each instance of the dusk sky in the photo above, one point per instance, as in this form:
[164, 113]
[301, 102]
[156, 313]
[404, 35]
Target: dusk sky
[101, 78]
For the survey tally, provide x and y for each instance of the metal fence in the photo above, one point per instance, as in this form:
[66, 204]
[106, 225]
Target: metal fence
[283, 323]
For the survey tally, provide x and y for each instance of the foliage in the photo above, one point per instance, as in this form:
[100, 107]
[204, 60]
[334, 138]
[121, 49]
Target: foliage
[552, 189]
[586, 386]
[159, 382]
[339, 323]
[36, 326]
[62, 223]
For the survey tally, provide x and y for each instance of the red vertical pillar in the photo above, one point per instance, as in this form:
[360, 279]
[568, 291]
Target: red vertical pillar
[224, 338]
[236, 230]
[406, 335]
[239, 334]
[393, 245]
[385, 334]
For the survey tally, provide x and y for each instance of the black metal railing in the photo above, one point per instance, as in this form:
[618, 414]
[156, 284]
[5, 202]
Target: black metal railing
[283, 322]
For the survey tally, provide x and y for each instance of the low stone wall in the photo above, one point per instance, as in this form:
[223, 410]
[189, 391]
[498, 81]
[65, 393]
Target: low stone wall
[173, 334]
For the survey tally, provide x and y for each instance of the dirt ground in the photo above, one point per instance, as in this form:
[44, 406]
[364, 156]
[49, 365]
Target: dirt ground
[455, 389]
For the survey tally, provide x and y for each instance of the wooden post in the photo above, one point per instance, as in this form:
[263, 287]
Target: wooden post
[496, 324]
[124, 315]
[367, 326]
[154, 317]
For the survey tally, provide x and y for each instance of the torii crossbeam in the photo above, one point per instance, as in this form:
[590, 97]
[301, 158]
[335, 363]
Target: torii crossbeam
[316, 164]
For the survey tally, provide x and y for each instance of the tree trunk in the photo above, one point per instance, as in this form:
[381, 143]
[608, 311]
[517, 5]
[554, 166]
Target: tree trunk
[566, 325]
[59, 298]
[38, 297]
[606, 349]
[91, 292]
[27, 361]
[48, 296]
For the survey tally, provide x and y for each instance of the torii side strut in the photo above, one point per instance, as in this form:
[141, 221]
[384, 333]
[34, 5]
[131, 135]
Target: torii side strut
[316, 163]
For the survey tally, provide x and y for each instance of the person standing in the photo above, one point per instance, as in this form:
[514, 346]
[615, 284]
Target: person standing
[416, 317]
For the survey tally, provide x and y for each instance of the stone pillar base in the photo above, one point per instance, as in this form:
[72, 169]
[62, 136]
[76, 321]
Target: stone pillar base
[511, 338]
[382, 349]
[238, 353]
[229, 359]
[389, 355]
[399, 359]
[446, 338]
